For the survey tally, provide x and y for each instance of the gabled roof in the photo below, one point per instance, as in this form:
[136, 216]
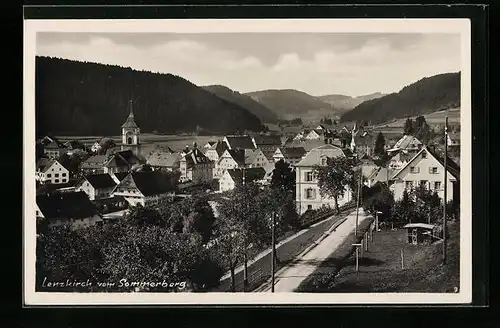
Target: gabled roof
[402, 157]
[117, 160]
[251, 174]
[269, 154]
[209, 144]
[128, 156]
[152, 183]
[308, 145]
[163, 159]
[74, 144]
[76, 205]
[293, 152]
[405, 141]
[238, 155]
[195, 156]
[130, 121]
[94, 161]
[220, 147]
[44, 163]
[313, 157]
[240, 142]
[453, 168]
[55, 144]
[100, 181]
[271, 140]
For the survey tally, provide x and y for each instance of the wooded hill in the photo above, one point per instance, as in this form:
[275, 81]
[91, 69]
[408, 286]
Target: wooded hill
[261, 111]
[289, 104]
[81, 98]
[345, 103]
[425, 96]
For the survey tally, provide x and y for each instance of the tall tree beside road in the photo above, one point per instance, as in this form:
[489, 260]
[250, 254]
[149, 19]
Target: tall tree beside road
[336, 178]
[283, 177]
[379, 198]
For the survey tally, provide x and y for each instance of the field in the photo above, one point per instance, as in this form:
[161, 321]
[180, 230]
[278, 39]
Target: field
[148, 141]
[380, 267]
[396, 126]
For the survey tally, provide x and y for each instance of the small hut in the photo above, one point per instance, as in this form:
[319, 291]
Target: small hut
[419, 233]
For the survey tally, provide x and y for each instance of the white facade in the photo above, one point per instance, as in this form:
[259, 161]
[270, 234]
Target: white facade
[313, 135]
[225, 162]
[258, 159]
[94, 193]
[423, 170]
[278, 155]
[54, 174]
[226, 182]
[308, 194]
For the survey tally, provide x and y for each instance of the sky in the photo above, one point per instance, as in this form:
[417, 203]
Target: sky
[352, 64]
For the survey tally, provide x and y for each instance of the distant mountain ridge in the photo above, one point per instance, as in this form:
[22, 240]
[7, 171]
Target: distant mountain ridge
[81, 98]
[343, 102]
[265, 114]
[290, 103]
[427, 95]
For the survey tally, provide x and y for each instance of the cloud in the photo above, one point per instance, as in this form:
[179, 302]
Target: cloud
[351, 64]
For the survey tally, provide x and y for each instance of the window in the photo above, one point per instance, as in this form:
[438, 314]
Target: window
[56, 175]
[434, 170]
[64, 180]
[323, 161]
[437, 185]
[423, 183]
[408, 184]
[56, 181]
[309, 176]
[424, 154]
[49, 175]
[64, 174]
[414, 169]
[309, 207]
[310, 193]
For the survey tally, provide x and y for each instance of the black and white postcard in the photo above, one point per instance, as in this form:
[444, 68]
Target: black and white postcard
[247, 161]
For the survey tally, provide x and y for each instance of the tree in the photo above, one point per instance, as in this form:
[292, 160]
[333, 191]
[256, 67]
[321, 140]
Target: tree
[335, 178]
[283, 177]
[379, 198]
[73, 162]
[408, 127]
[380, 144]
[296, 121]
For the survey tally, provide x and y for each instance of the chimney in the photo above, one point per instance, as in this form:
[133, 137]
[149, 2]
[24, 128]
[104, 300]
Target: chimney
[195, 145]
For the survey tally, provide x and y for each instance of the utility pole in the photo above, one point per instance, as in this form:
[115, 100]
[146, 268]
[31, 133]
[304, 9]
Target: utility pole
[445, 186]
[273, 260]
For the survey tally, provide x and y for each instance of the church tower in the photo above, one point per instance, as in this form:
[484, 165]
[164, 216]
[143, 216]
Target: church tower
[130, 133]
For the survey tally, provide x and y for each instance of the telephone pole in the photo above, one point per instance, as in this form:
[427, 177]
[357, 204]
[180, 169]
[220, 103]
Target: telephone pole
[357, 201]
[445, 186]
[273, 251]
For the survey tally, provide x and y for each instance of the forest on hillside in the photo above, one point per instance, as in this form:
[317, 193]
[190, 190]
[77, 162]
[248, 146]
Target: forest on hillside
[288, 103]
[425, 96]
[81, 98]
[261, 111]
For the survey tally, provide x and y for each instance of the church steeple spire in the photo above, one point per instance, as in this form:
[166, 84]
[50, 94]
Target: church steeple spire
[130, 122]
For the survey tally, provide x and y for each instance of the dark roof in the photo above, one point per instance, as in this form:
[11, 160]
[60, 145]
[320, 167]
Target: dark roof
[152, 183]
[251, 174]
[347, 152]
[238, 155]
[76, 205]
[117, 160]
[240, 142]
[293, 152]
[129, 156]
[273, 140]
[220, 147]
[163, 158]
[49, 187]
[121, 175]
[196, 156]
[43, 163]
[55, 144]
[100, 181]
[95, 161]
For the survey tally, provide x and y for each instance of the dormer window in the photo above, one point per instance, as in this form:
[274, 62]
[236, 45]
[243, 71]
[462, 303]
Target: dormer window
[424, 154]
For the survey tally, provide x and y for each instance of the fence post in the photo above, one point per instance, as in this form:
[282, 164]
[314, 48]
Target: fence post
[402, 260]
[366, 241]
[357, 259]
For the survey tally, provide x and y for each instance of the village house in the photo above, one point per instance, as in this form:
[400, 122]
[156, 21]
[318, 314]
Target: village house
[53, 148]
[314, 135]
[239, 142]
[195, 166]
[145, 187]
[426, 169]
[290, 155]
[230, 159]
[74, 208]
[74, 145]
[163, 160]
[118, 177]
[255, 158]
[235, 177]
[94, 164]
[379, 175]
[51, 171]
[399, 160]
[269, 168]
[307, 190]
[97, 186]
[407, 144]
[209, 144]
[267, 142]
[215, 151]
[453, 139]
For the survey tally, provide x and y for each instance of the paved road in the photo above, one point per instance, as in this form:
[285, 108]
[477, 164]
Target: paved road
[259, 269]
[289, 277]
